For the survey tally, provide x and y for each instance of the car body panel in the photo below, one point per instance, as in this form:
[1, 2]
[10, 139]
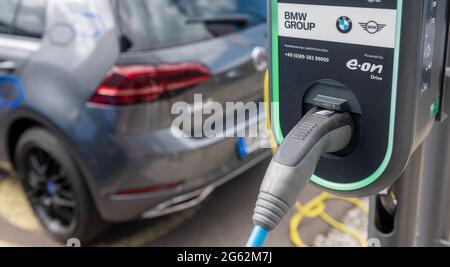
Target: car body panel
[118, 148]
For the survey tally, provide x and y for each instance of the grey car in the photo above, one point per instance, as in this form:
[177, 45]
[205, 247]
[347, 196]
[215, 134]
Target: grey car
[85, 103]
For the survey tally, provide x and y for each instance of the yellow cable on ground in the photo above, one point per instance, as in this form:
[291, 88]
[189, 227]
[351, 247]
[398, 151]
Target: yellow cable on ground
[316, 207]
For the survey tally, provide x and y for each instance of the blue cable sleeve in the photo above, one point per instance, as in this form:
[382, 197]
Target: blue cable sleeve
[257, 238]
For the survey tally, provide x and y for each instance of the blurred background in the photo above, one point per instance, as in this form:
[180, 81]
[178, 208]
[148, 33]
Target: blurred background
[87, 150]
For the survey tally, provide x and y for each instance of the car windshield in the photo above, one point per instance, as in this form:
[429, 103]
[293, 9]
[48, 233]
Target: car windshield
[153, 24]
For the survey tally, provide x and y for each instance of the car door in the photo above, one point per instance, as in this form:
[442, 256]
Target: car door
[22, 24]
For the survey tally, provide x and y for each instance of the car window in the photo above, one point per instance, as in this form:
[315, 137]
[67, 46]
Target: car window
[30, 20]
[7, 9]
[152, 24]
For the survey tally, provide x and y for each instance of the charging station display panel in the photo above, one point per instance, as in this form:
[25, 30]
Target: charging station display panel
[345, 50]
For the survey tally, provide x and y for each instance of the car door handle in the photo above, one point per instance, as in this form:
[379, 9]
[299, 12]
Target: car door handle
[7, 67]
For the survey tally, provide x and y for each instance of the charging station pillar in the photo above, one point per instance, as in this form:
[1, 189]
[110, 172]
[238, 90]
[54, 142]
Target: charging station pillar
[434, 218]
[393, 214]
[380, 62]
[435, 189]
[415, 212]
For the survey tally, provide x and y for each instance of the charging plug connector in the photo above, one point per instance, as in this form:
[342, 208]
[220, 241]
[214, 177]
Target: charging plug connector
[319, 132]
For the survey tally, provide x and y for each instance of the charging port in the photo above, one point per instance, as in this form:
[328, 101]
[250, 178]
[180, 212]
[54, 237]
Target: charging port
[333, 95]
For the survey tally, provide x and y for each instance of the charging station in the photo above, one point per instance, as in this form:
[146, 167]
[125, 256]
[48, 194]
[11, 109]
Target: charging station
[377, 60]
[355, 88]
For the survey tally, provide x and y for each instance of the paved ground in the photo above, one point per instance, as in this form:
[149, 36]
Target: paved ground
[223, 220]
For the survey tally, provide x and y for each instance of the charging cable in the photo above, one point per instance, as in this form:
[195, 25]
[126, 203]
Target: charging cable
[319, 132]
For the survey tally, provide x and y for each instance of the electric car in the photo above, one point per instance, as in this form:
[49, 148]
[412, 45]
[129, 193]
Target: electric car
[91, 139]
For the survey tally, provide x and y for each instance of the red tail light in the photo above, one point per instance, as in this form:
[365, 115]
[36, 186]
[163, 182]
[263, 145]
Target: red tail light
[126, 85]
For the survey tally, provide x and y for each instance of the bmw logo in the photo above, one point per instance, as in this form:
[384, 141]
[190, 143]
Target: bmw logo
[344, 24]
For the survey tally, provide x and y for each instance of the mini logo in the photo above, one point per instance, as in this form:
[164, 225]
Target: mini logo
[372, 27]
[344, 24]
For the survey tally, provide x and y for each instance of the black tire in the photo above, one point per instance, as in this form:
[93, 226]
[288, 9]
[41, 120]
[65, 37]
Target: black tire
[55, 188]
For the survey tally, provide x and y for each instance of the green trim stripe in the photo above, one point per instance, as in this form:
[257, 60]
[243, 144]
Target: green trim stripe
[275, 74]
[276, 101]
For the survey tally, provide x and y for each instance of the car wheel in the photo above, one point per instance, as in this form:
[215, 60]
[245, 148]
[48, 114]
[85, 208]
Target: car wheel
[55, 188]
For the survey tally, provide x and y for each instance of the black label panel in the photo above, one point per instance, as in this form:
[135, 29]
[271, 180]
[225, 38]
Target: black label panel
[351, 43]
